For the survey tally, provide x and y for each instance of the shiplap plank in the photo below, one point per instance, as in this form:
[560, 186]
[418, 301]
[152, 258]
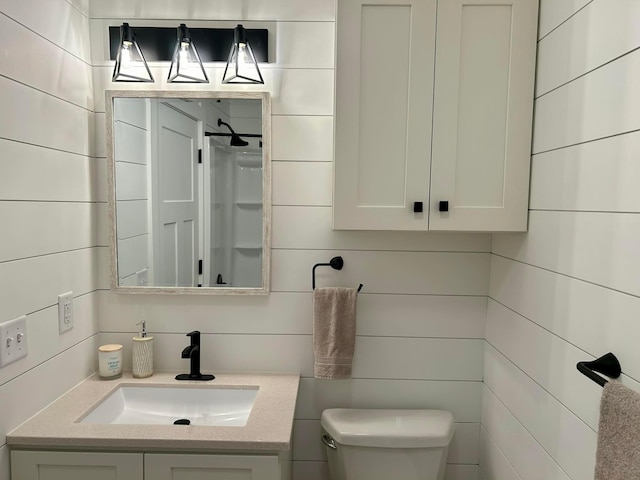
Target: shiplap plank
[131, 181]
[295, 41]
[554, 12]
[418, 358]
[595, 176]
[30, 59]
[40, 116]
[44, 339]
[305, 470]
[282, 10]
[132, 218]
[301, 227]
[133, 255]
[36, 173]
[493, 464]
[526, 455]
[292, 313]
[66, 226]
[596, 319]
[130, 143]
[302, 183]
[547, 359]
[462, 472]
[594, 36]
[421, 316]
[384, 272]
[566, 242]
[464, 447]
[462, 399]
[563, 435]
[293, 91]
[27, 394]
[35, 283]
[593, 106]
[302, 138]
[55, 20]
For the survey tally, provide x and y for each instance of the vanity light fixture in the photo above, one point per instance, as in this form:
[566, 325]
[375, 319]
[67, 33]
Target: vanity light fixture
[242, 66]
[130, 63]
[186, 66]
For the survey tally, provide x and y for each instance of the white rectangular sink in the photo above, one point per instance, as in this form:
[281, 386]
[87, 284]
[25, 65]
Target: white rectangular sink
[159, 405]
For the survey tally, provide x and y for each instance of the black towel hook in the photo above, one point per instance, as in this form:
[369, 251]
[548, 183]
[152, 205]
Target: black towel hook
[336, 263]
[607, 364]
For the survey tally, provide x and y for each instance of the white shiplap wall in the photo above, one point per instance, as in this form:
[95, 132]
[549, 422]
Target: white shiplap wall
[421, 315]
[568, 289]
[48, 201]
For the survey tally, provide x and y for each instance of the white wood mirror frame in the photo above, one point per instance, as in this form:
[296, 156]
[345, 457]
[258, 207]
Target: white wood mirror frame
[191, 96]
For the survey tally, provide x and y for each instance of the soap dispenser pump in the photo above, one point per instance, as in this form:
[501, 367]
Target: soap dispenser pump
[142, 353]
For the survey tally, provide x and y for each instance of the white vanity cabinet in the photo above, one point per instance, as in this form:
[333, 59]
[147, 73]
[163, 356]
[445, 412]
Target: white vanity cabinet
[51, 465]
[47, 465]
[434, 104]
[211, 467]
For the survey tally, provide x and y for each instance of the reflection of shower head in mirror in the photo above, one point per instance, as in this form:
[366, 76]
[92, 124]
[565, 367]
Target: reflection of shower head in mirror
[236, 141]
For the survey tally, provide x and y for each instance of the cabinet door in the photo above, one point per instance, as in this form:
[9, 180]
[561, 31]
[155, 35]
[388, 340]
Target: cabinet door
[33, 465]
[384, 88]
[483, 104]
[211, 467]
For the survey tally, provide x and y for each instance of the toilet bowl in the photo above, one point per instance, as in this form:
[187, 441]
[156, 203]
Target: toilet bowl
[370, 444]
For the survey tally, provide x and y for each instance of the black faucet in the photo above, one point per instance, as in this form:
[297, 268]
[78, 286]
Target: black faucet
[192, 352]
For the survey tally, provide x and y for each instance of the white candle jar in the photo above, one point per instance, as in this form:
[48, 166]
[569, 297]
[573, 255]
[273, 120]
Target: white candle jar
[110, 361]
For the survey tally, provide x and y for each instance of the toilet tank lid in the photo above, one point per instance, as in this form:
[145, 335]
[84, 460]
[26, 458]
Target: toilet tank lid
[389, 428]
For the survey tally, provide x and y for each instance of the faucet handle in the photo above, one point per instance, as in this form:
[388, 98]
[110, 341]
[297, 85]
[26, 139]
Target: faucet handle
[195, 337]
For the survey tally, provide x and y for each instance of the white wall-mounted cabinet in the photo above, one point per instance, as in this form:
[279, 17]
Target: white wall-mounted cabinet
[433, 104]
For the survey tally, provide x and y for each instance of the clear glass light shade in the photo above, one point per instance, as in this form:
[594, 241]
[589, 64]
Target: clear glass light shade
[186, 66]
[130, 63]
[241, 66]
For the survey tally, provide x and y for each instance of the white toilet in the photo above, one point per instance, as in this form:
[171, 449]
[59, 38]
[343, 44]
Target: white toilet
[386, 444]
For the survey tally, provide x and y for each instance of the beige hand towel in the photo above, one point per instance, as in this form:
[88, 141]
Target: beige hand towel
[618, 454]
[334, 331]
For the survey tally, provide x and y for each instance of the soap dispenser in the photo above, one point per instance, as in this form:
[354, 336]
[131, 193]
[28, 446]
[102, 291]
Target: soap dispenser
[142, 354]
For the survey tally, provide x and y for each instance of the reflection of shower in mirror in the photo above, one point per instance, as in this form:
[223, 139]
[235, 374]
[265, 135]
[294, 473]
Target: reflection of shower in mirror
[189, 196]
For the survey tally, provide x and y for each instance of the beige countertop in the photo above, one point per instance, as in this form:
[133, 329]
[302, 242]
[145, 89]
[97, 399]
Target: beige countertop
[268, 427]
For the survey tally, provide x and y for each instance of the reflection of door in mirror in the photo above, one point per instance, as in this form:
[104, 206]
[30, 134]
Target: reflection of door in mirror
[175, 197]
[188, 196]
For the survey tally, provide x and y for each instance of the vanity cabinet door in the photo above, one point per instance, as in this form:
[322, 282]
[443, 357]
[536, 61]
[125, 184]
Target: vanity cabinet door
[384, 95]
[211, 467]
[35, 465]
[483, 109]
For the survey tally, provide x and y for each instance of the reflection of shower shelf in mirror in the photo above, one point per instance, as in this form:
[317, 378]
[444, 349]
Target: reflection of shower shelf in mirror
[248, 247]
[249, 203]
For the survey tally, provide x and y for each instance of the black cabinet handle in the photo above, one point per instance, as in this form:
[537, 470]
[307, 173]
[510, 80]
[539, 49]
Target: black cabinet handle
[417, 207]
[443, 206]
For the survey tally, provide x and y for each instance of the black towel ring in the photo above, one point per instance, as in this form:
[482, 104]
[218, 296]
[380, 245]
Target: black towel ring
[336, 263]
[607, 364]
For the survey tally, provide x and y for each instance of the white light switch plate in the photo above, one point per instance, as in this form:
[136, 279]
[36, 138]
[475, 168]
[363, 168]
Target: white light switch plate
[13, 343]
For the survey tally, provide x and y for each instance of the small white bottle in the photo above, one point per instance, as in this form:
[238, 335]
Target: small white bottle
[142, 354]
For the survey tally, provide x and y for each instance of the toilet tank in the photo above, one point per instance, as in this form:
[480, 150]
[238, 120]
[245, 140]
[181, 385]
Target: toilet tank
[374, 444]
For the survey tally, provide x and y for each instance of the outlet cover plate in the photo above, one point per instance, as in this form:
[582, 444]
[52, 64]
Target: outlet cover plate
[13, 343]
[65, 312]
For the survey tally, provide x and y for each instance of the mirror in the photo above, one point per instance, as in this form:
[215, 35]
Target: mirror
[190, 191]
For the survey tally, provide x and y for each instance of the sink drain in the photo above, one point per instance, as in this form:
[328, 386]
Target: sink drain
[182, 421]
